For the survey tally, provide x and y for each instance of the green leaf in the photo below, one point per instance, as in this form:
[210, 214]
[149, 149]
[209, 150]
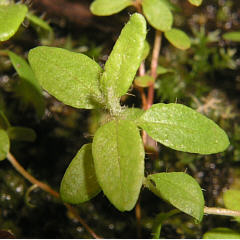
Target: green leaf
[21, 134]
[79, 183]
[28, 88]
[132, 114]
[158, 221]
[24, 70]
[163, 70]
[4, 144]
[178, 38]
[180, 190]
[72, 78]
[144, 81]
[231, 200]
[182, 128]
[39, 22]
[125, 58]
[221, 233]
[118, 155]
[4, 123]
[11, 16]
[232, 36]
[158, 14]
[195, 2]
[109, 7]
[171, 6]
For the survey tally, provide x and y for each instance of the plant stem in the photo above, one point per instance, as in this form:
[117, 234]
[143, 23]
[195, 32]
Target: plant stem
[48, 189]
[138, 5]
[154, 64]
[29, 177]
[221, 211]
[138, 217]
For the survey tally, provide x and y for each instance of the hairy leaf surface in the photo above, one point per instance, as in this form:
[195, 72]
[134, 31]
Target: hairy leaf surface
[125, 58]
[180, 190]
[118, 155]
[79, 183]
[4, 144]
[72, 78]
[109, 7]
[11, 17]
[132, 114]
[183, 129]
[178, 38]
[158, 14]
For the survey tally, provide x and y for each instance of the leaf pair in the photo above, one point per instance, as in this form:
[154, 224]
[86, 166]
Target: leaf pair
[117, 158]
[78, 81]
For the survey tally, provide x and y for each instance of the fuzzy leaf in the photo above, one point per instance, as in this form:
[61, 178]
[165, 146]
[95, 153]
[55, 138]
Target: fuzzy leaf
[125, 58]
[118, 155]
[232, 36]
[109, 7]
[72, 78]
[195, 2]
[180, 190]
[11, 17]
[181, 128]
[4, 144]
[132, 114]
[79, 183]
[21, 134]
[221, 233]
[178, 38]
[231, 200]
[39, 22]
[158, 14]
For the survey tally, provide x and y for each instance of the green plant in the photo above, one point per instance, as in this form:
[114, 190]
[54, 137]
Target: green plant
[114, 162]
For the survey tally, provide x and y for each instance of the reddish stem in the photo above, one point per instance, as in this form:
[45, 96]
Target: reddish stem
[154, 64]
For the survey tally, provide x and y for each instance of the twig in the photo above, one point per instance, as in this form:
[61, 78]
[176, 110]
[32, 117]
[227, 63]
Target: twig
[221, 211]
[154, 64]
[48, 189]
[29, 177]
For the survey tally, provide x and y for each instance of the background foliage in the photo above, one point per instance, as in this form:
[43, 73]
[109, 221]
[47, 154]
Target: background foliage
[205, 77]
